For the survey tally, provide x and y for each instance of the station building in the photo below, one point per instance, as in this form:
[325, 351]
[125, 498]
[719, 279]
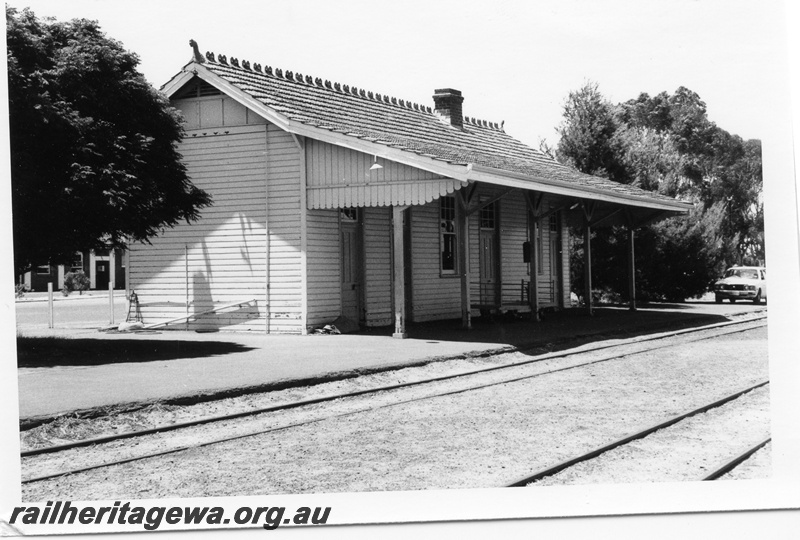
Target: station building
[335, 203]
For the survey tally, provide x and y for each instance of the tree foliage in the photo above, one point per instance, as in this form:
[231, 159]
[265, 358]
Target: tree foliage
[588, 140]
[667, 144]
[94, 161]
[75, 281]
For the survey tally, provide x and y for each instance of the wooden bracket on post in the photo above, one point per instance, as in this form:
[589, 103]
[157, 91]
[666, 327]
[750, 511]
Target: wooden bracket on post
[487, 202]
[645, 221]
[627, 216]
[588, 210]
[470, 192]
[534, 201]
[606, 217]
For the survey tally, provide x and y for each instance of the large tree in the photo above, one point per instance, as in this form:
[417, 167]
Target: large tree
[588, 140]
[94, 161]
[666, 143]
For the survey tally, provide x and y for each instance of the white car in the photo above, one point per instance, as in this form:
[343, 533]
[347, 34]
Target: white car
[742, 283]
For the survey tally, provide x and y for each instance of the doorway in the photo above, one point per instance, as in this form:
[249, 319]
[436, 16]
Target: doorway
[488, 258]
[351, 263]
[101, 275]
[555, 260]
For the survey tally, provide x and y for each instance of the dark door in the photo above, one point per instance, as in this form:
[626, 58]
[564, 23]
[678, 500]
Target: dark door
[555, 260]
[488, 262]
[350, 241]
[101, 275]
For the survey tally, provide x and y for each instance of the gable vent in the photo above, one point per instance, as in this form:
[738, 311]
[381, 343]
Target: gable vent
[197, 88]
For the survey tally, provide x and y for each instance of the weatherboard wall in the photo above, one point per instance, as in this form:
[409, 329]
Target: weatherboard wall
[377, 227]
[324, 267]
[221, 258]
[515, 272]
[339, 177]
[246, 247]
[434, 296]
[286, 279]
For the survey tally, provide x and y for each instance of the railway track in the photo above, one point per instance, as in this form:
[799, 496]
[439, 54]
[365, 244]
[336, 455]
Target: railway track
[730, 464]
[717, 472]
[472, 380]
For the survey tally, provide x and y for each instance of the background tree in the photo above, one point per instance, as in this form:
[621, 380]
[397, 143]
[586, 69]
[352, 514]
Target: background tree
[588, 140]
[94, 161]
[666, 143]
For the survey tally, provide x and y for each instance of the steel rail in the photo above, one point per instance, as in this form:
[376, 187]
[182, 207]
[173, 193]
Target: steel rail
[731, 464]
[639, 434]
[313, 401]
[348, 413]
[321, 419]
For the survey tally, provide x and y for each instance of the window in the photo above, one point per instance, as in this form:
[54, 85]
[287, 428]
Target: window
[43, 270]
[77, 263]
[447, 234]
[349, 214]
[488, 217]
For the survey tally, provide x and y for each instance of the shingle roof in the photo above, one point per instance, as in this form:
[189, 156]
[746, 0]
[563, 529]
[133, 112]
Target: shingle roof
[400, 124]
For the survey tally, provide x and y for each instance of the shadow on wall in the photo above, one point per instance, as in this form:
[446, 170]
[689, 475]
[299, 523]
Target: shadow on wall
[203, 301]
[47, 352]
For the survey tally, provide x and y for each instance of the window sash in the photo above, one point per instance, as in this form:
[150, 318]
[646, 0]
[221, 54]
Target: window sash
[448, 236]
[77, 263]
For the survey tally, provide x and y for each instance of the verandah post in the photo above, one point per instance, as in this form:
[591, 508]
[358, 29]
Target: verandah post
[631, 269]
[398, 277]
[111, 301]
[534, 204]
[463, 260]
[50, 323]
[588, 209]
[587, 266]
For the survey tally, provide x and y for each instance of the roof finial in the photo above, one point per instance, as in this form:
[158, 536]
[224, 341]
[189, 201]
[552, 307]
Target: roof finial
[197, 56]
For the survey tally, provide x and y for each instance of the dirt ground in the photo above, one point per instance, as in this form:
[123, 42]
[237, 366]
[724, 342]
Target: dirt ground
[482, 438]
[697, 445]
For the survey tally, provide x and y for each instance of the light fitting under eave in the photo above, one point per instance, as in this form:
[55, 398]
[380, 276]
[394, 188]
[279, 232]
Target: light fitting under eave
[375, 165]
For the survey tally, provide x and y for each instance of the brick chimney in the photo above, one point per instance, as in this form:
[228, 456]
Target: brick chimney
[447, 102]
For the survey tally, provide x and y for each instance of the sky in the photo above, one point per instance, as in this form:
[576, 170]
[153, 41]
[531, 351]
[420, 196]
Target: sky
[514, 61]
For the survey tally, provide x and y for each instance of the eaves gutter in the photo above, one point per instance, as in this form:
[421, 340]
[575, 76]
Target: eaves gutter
[482, 173]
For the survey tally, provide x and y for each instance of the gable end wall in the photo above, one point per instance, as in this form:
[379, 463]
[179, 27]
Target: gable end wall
[246, 246]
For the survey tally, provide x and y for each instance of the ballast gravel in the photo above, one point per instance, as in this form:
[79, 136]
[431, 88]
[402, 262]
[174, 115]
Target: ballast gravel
[698, 445]
[480, 438]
